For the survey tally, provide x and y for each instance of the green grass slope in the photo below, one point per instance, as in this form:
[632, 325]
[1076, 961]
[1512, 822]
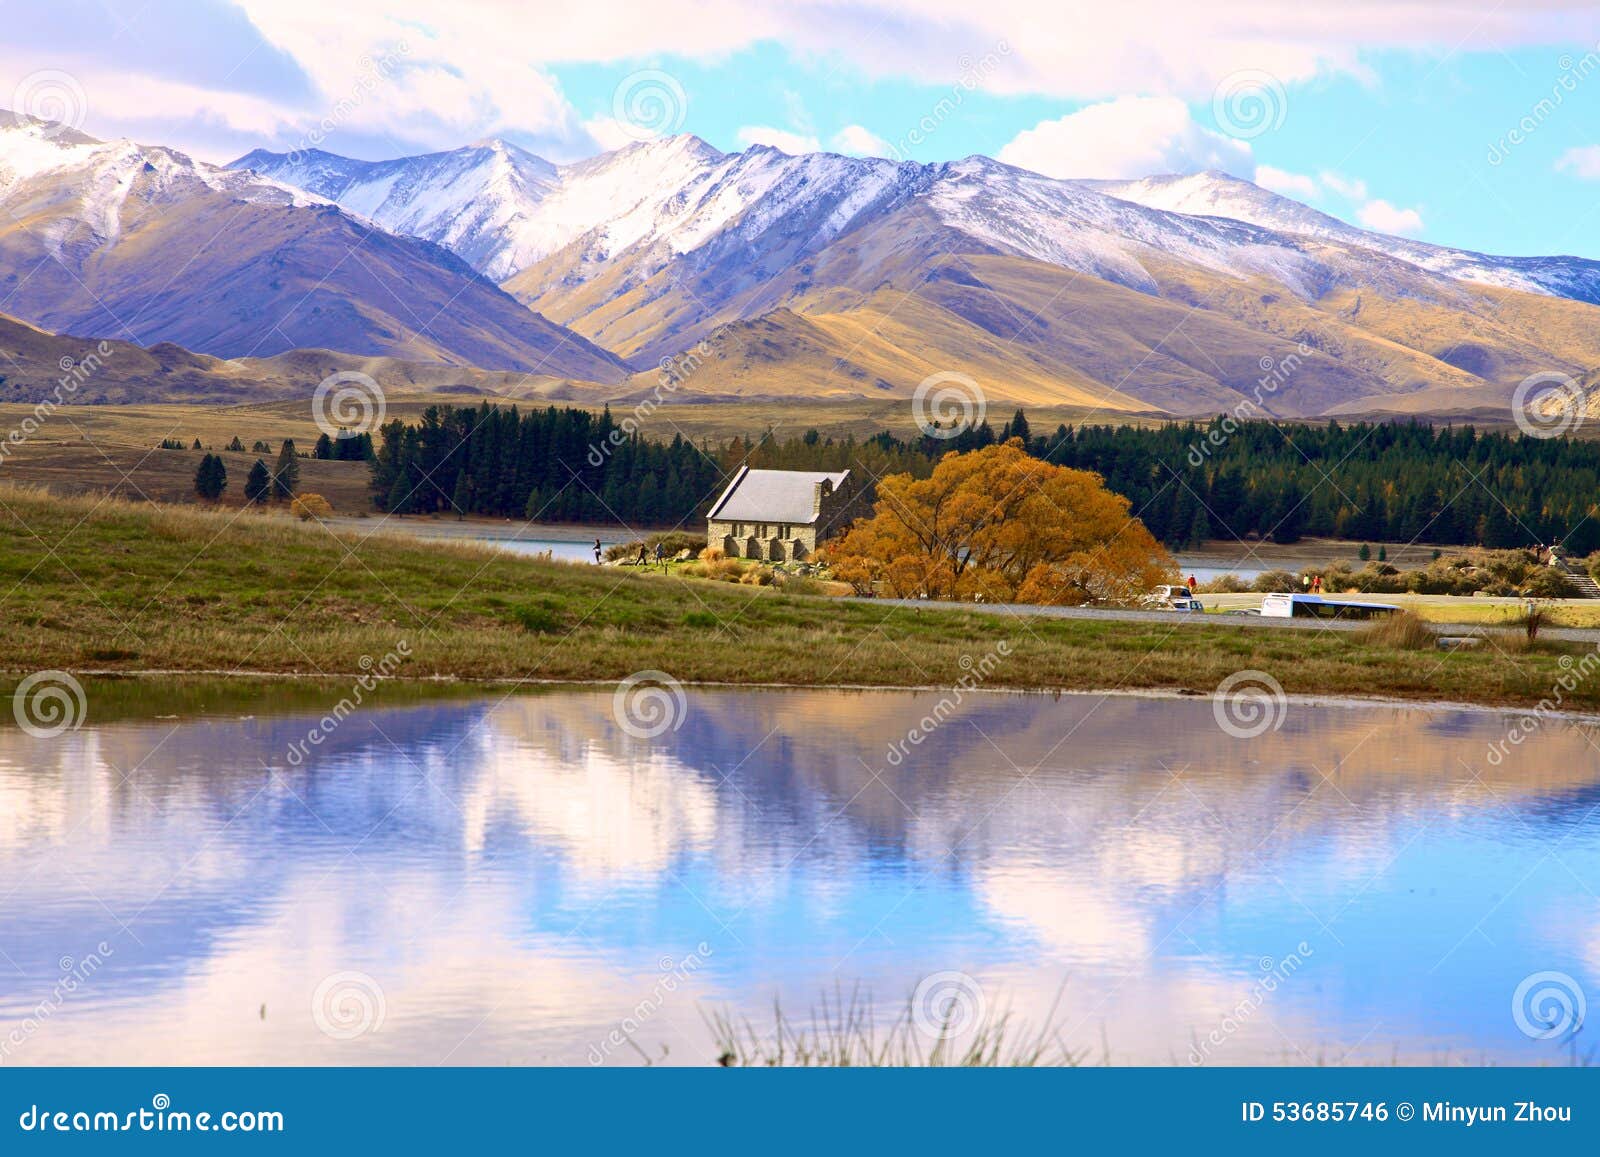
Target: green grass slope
[89, 584]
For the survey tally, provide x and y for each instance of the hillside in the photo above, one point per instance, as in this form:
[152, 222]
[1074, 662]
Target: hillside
[33, 369]
[145, 245]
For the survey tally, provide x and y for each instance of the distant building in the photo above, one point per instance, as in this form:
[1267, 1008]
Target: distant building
[777, 515]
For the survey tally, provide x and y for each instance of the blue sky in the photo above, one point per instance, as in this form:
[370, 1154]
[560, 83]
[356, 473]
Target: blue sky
[1425, 120]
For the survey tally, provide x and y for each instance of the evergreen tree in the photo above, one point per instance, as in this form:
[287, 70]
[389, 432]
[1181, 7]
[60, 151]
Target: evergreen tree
[323, 450]
[402, 496]
[1367, 482]
[1497, 531]
[235, 444]
[286, 473]
[258, 486]
[1018, 428]
[461, 500]
[211, 479]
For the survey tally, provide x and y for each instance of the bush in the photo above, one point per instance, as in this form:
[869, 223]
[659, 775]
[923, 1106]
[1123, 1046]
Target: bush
[799, 584]
[704, 620]
[309, 506]
[1402, 630]
[1533, 621]
[1440, 579]
[1228, 584]
[729, 570]
[1378, 579]
[1275, 582]
[1549, 583]
[671, 542]
[539, 619]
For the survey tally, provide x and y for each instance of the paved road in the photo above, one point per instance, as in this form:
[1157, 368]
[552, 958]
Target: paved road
[1185, 619]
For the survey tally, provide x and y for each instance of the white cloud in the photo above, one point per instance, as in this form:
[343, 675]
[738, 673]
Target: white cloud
[1351, 187]
[1285, 182]
[485, 66]
[1132, 136]
[610, 134]
[792, 143]
[861, 142]
[1386, 218]
[1583, 162]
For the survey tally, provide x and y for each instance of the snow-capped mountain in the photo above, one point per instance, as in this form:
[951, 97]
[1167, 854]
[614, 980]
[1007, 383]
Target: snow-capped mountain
[1214, 194]
[473, 201]
[144, 244]
[504, 209]
[814, 275]
[82, 186]
[834, 275]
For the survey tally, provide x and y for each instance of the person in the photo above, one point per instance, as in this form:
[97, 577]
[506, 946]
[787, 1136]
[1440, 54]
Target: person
[661, 555]
[1192, 584]
[642, 558]
[1316, 585]
[597, 552]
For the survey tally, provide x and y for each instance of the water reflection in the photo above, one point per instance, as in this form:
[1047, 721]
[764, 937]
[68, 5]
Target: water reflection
[517, 875]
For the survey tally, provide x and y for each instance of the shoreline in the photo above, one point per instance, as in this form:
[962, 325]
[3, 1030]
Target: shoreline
[477, 529]
[1349, 702]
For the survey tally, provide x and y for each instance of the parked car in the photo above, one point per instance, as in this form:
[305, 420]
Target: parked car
[1173, 598]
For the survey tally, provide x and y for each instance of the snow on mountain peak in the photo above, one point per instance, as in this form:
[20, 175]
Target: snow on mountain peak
[48, 164]
[504, 209]
[1215, 194]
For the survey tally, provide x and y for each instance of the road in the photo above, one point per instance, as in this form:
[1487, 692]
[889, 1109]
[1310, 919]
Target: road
[1222, 619]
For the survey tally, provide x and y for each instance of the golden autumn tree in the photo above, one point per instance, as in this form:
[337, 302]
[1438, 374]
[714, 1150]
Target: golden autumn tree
[1000, 524]
[309, 506]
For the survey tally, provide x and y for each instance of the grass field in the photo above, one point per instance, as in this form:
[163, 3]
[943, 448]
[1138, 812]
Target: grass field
[146, 425]
[141, 473]
[102, 585]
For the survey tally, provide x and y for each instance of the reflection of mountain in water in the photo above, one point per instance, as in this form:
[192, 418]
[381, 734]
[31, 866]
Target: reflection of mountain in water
[1119, 836]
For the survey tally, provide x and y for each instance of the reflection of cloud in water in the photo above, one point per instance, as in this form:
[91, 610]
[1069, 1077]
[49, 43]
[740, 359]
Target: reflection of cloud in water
[602, 815]
[524, 863]
[1071, 914]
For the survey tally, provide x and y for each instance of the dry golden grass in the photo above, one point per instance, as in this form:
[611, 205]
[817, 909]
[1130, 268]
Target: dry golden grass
[144, 473]
[1403, 631]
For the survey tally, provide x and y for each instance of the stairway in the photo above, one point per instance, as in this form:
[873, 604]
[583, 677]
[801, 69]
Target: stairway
[1579, 578]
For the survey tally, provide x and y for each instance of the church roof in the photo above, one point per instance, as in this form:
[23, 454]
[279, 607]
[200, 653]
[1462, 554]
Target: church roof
[773, 496]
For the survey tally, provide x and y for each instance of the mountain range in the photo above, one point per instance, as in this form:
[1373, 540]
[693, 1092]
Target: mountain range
[763, 275]
[143, 244]
[822, 275]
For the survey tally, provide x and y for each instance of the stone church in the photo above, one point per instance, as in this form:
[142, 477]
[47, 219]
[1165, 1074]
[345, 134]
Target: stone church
[778, 515]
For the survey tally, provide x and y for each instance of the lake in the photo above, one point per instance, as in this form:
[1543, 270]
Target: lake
[536, 877]
[564, 543]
